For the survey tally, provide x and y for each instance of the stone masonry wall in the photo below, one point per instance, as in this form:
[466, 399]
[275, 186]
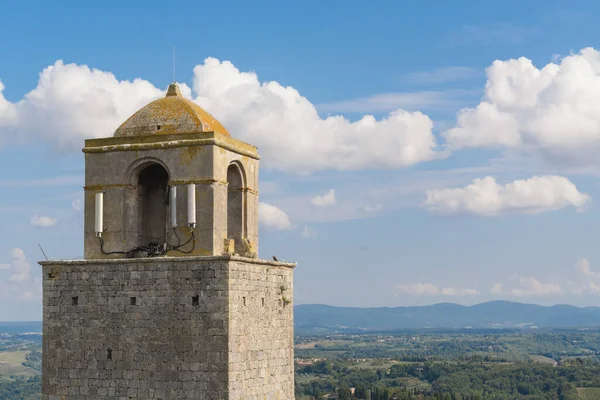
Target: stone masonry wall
[166, 328]
[261, 332]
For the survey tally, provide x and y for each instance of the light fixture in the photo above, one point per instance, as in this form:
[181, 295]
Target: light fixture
[99, 227]
[174, 206]
[191, 191]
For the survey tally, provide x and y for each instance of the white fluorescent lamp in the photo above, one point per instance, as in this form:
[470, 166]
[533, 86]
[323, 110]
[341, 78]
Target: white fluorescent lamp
[99, 214]
[174, 206]
[191, 191]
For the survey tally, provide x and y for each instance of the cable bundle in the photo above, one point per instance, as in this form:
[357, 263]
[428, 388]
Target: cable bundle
[153, 249]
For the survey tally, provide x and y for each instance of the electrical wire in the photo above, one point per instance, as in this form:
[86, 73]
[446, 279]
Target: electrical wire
[153, 249]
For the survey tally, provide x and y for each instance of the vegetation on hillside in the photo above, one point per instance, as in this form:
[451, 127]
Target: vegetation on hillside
[417, 366]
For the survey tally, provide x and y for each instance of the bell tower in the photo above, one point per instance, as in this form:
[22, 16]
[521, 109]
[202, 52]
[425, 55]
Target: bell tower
[171, 300]
[167, 168]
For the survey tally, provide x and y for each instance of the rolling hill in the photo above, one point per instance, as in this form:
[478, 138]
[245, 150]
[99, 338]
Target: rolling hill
[490, 315]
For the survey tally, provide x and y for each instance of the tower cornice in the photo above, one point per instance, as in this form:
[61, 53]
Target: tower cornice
[110, 144]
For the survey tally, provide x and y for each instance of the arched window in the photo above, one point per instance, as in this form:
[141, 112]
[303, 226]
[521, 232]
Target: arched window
[235, 205]
[153, 202]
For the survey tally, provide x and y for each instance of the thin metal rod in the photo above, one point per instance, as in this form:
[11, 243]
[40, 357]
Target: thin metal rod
[40, 246]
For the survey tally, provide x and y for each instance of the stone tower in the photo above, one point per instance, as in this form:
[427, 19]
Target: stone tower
[170, 300]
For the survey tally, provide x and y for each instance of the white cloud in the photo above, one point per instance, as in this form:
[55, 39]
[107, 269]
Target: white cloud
[20, 268]
[553, 110]
[327, 200]
[43, 221]
[450, 291]
[291, 134]
[588, 287]
[72, 102]
[496, 288]
[7, 113]
[488, 198]
[429, 289]
[308, 232]
[530, 286]
[418, 289]
[586, 283]
[21, 283]
[273, 217]
[583, 266]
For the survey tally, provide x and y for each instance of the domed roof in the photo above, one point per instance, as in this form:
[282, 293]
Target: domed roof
[170, 115]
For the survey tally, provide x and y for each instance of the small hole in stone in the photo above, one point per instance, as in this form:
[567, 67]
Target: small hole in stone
[263, 301]
[158, 127]
[109, 354]
[195, 300]
[132, 301]
[244, 300]
[74, 301]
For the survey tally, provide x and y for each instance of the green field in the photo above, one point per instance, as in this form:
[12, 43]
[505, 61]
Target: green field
[11, 364]
[589, 393]
[13, 357]
[542, 359]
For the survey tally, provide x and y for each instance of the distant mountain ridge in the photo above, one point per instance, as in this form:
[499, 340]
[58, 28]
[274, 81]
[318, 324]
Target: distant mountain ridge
[21, 327]
[493, 314]
[315, 318]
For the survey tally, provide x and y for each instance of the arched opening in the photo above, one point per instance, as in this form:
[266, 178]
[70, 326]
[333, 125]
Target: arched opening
[235, 205]
[153, 202]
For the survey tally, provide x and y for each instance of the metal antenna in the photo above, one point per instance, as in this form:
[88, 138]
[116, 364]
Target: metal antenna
[40, 246]
[173, 63]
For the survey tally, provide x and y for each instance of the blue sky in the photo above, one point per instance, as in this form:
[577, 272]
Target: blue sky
[476, 178]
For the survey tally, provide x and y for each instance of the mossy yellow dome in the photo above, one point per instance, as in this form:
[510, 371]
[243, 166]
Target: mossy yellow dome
[169, 115]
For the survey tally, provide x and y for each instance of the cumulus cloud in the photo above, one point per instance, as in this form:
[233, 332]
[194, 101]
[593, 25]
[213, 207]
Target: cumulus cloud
[291, 134]
[496, 288]
[583, 266]
[488, 198]
[450, 291]
[530, 286]
[72, 102]
[429, 289]
[272, 217]
[587, 283]
[593, 287]
[19, 265]
[43, 221]
[328, 199]
[7, 112]
[554, 110]
[21, 284]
